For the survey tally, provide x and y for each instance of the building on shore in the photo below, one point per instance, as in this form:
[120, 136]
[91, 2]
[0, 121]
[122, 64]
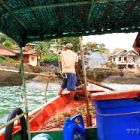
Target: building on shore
[126, 59]
[31, 57]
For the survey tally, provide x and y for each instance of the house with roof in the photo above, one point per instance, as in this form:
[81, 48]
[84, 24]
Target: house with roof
[6, 53]
[31, 57]
[126, 59]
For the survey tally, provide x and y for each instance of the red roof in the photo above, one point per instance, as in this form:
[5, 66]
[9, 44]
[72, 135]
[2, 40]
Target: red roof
[4, 52]
[25, 52]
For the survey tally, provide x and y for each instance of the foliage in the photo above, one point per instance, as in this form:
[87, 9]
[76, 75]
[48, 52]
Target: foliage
[1, 59]
[42, 48]
[52, 57]
[96, 47]
[6, 41]
[9, 60]
[8, 44]
[91, 45]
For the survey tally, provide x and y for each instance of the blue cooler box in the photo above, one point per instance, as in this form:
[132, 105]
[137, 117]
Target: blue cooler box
[117, 115]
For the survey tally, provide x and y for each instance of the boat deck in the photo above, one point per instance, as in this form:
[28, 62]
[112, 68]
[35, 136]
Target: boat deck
[56, 122]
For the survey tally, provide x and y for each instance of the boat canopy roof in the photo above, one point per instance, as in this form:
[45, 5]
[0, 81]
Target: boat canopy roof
[30, 20]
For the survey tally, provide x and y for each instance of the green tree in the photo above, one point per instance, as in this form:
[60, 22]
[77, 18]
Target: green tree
[42, 48]
[52, 57]
[6, 41]
[100, 48]
[96, 47]
[8, 44]
[91, 45]
[3, 38]
[1, 59]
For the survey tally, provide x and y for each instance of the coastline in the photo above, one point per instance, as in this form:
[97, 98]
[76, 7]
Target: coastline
[127, 76]
[107, 75]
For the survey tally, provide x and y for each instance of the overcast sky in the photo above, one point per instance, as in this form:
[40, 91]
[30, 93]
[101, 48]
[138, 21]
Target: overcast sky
[112, 41]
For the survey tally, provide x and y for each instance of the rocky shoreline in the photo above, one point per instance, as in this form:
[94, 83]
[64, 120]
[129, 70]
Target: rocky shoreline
[99, 74]
[114, 76]
[10, 75]
[122, 80]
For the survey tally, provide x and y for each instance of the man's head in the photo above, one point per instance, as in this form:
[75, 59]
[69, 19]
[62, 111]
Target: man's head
[69, 46]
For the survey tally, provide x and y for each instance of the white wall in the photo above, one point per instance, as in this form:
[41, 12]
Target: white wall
[137, 60]
[116, 60]
[33, 60]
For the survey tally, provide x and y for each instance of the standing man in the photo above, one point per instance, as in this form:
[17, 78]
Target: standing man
[68, 60]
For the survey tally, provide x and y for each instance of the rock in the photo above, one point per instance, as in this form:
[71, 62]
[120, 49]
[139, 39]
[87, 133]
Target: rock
[122, 80]
[99, 74]
[9, 78]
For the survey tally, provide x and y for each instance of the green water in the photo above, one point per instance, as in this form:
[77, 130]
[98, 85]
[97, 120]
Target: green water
[11, 97]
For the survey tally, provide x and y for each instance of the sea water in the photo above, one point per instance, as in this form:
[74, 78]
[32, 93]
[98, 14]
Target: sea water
[12, 96]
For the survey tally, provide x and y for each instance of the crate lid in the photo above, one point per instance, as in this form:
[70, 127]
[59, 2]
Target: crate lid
[115, 95]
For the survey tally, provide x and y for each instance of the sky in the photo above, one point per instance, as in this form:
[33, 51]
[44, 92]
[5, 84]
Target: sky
[112, 41]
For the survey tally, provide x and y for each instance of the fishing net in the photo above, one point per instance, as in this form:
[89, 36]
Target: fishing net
[27, 21]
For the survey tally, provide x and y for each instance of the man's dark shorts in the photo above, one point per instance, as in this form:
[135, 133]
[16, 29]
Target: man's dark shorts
[69, 81]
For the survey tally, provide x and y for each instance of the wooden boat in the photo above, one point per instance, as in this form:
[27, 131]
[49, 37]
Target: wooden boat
[50, 117]
[27, 21]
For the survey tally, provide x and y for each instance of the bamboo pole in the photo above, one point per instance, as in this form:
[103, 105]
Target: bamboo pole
[47, 84]
[24, 93]
[11, 121]
[98, 84]
[89, 123]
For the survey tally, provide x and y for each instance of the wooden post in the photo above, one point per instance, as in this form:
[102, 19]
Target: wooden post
[89, 122]
[46, 90]
[24, 93]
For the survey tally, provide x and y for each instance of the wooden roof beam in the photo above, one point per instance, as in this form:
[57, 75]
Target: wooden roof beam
[6, 7]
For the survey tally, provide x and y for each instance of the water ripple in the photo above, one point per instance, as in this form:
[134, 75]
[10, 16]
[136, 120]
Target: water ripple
[11, 97]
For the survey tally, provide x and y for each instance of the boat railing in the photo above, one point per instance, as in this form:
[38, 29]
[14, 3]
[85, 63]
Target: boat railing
[12, 120]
